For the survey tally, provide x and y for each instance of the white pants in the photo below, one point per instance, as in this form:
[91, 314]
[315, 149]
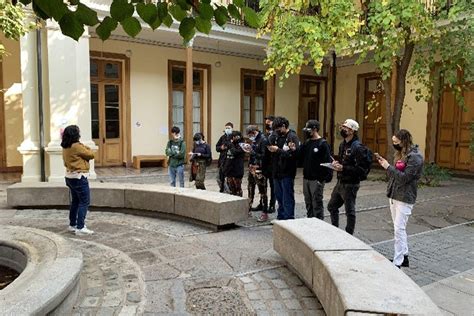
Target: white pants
[400, 213]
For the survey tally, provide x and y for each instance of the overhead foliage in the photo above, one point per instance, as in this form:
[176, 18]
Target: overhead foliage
[193, 16]
[12, 22]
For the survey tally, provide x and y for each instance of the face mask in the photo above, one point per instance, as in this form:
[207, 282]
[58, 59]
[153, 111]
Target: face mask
[228, 131]
[268, 126]
[177, 136]
[397, 147]
[198, 142]
[252, 138]
[280, 132]
[344, 133]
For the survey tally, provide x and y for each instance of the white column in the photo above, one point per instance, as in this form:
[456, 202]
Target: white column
[68, 95]
[29, 148]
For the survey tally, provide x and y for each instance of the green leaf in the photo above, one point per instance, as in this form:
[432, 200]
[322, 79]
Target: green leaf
[251, 17]
[162, 10]
[206, 11]
[40, 13]
[86, 15]
[106, 27]
[121, 9]
[203, 26]
[234, 12]
[156, 24]
[131, 26]
[206, 1]
[53, 8]
[186, 29]
[168, 20]
[71, 26]
[183, 4]
[177, 12]
[221, 15]
[148, 12]
[238, 3]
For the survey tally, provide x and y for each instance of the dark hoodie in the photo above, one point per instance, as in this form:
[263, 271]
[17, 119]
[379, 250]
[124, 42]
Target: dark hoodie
[234, 161]
[284, 162]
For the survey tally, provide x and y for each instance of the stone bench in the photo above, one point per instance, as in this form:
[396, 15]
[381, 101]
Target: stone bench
[347, 275]
[49, 268]
[205, 207]
[137, 160]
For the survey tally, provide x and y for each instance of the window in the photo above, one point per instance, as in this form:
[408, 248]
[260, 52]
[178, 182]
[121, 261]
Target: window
[178, 97]
[253, 99]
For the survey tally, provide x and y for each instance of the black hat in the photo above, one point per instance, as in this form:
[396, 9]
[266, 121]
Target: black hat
[312, 124]
[197, 136]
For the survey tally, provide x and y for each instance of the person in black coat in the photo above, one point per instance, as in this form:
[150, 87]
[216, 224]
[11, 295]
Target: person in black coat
[234, 164]
[314, 151]
[221, 147]
[284, 145]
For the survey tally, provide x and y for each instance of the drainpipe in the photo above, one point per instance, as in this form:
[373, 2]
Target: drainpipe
[333, 97]
[40, 103]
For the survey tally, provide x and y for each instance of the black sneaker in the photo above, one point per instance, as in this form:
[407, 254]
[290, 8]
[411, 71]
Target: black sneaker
[271, 209]
[406, 262]
[257, 209]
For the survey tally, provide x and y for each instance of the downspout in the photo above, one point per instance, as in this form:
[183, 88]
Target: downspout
[333, 97]
[40, 103]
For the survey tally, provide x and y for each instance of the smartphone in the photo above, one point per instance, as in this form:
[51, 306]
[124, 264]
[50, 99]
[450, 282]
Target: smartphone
[377, 156]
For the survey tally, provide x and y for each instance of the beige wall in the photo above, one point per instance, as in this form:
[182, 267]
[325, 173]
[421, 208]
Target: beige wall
[414, 115]
[149, 91]
[13, 101]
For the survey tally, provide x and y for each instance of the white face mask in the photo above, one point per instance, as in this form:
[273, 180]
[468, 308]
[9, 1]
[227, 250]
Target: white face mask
[177, 136]
[228, 130]
[252, 138]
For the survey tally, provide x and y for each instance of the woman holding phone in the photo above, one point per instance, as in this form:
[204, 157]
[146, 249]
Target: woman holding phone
[403, 178]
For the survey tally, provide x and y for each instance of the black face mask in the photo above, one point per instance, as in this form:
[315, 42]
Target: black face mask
[281, 133]
[268, 127]
[397, 147]
[343, 133]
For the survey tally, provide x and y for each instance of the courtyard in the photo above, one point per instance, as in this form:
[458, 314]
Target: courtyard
[152, 266]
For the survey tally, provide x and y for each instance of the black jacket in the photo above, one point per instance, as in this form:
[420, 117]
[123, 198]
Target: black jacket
[223, 140]
[311, 154]
[258, 151]
[402, 185]
[267, 156]
[353, 161]
[203, 149]
[284, 162]
[234, 161]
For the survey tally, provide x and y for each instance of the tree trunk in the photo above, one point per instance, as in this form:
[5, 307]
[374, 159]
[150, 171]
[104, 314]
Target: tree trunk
[387, 86]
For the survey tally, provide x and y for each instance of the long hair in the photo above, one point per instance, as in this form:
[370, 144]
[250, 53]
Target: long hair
[406, 141]
[71, 135]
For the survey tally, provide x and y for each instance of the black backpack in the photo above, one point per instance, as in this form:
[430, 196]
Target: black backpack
[366, 163]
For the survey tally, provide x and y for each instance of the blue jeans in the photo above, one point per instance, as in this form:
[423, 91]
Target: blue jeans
[285, 196]
[79, 199]
[172, 173]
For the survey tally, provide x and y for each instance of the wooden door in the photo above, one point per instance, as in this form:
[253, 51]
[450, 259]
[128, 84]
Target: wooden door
[3, 147]
[454, 134]
[374, 127]
[309, 102]
[106, 111]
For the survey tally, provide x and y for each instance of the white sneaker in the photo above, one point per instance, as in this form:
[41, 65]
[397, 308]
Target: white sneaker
[71, 228]
[84, 231]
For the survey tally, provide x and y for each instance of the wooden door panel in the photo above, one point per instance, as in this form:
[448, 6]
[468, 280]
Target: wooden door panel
[374, 127]
[112, 153]
[445, 156]
[446, 144]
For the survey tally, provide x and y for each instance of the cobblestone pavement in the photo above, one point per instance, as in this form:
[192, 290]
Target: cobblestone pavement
[155, 266]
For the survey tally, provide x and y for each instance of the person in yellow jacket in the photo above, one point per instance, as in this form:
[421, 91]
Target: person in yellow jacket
[76, 158]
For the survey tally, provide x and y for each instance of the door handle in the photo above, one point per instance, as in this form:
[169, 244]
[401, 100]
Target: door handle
[103, 140]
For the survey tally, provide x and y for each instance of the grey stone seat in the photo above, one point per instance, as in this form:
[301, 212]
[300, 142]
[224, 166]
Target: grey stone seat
[347, 275]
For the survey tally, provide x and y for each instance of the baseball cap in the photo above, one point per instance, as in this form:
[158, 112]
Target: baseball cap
[312, 124]
[350, 123]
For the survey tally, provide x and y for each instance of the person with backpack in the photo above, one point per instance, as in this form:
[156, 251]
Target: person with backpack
[234, 164]
[221, 147]
[284, 145]
[176, 151]
[200, 158]
[353, 165]
[312, 153]
[403, 178]
[267, 162]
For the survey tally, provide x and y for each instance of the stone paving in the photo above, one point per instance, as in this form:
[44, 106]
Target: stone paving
[156, 266]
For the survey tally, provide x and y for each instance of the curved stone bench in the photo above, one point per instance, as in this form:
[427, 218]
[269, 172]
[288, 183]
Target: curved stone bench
[50, 270]
[206, 207]
[347, 275]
